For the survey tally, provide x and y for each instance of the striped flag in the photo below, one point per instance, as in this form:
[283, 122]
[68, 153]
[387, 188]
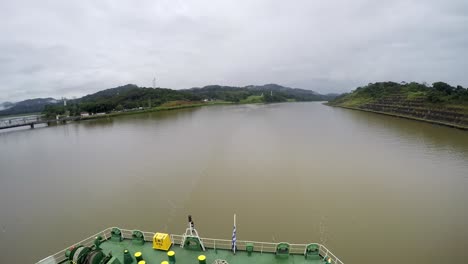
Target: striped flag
[234, 238]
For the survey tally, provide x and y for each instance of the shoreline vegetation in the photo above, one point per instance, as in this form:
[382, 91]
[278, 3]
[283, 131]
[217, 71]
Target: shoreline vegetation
[131, 99]
[173, 105]
[439, 104]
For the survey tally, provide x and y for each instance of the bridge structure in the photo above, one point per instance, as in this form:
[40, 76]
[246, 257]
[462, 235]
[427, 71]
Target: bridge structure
[31, 121]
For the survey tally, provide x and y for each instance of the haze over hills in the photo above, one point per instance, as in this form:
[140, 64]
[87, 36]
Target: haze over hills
[6, 105]
[131, 96]
[26, 106]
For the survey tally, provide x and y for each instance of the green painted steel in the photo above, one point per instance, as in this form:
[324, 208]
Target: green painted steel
[95, 257]
[312, 251]
[185, 256]
[138, 238]
[192, 243]
[282, 250]
[116, 234]
[114, 260]
[118, 246]
[249, 247]
[138, 256]
[97, 242]
[127, 259]
[202, 259]
[171, 256]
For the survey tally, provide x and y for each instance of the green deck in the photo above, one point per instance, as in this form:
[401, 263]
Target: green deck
[137, 241]
[183, 256]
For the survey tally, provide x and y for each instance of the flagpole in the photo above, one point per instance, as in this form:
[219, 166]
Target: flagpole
[234, 236]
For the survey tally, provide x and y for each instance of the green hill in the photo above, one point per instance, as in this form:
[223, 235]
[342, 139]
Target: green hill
[27, 106]
[439, 103]
[128, 96]
[268, 93]
[131, 96]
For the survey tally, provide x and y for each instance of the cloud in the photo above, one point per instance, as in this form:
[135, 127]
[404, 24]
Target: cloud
[62, 48]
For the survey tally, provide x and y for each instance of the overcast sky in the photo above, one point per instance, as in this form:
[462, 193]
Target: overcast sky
[72, 48]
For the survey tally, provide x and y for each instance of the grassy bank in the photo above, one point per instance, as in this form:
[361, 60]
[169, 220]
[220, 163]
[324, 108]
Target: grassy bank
[462, 127]
[253, 99]
[440, 104]
[165, 107]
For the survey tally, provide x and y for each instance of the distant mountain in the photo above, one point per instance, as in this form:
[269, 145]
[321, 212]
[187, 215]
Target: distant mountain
[6, 105]
[282, 93]
[27, 106]
[131, 96]
[38, 104]
[278, 88]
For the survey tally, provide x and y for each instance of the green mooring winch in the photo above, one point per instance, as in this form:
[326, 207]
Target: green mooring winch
[89, 255]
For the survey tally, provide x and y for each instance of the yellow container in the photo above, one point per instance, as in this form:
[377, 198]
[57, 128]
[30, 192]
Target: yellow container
[162, 241]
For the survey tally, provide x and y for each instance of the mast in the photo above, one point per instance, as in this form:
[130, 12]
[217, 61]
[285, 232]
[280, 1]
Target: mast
[191, 234]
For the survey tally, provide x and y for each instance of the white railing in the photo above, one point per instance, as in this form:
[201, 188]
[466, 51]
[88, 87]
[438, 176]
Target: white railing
[212, 243]
[19, 121]
[60, 256]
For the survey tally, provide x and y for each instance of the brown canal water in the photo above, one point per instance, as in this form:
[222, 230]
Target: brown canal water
[372, 188]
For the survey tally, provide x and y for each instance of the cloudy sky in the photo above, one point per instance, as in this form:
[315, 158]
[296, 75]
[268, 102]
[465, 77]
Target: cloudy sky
[72, 48]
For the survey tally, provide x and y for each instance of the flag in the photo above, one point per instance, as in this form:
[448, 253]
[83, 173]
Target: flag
[234, 238]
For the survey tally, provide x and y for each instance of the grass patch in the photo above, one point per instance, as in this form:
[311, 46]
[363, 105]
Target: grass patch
[180, 103]
[414, 95]
[253, 99]
[172, 105]
[357, 101]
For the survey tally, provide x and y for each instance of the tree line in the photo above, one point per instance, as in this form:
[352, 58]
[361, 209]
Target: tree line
[438, 92]
[131, 96]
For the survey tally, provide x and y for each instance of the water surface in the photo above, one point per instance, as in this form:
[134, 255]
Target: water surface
[372, 188]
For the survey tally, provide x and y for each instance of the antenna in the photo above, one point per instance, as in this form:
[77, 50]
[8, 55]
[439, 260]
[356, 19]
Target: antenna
[154, 82]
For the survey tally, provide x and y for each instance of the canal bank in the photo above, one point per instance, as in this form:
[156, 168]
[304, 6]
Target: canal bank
[457, 126]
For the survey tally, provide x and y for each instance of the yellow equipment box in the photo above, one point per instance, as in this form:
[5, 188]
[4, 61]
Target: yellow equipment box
[162, 241]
